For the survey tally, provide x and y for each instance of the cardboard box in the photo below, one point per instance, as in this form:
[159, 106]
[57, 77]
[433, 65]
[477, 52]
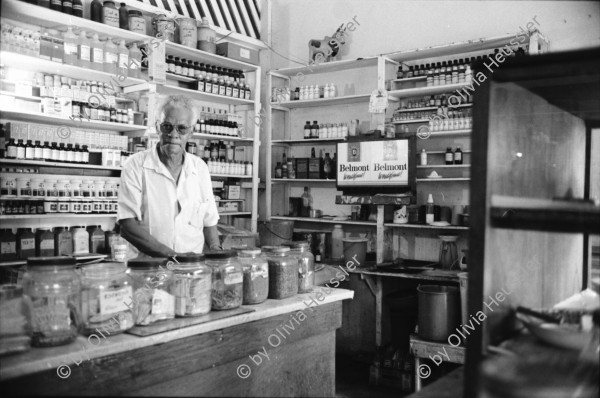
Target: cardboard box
[301, 168]
[234, 51]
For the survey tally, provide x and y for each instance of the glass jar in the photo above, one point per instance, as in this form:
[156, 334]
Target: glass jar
[152, 284]
[55, 291]
[306, 266]
[87, 188]
[50, 186]
[227, 280]
[136, 22]
[256, 275]
[15, 328]
[106, 292]
[76, 188]
[283, 273]
[192, 286]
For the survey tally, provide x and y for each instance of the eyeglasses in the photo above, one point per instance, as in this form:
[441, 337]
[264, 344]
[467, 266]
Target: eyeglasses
[166, 128]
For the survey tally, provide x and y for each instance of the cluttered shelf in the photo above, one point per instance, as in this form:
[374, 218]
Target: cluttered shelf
[396, 271]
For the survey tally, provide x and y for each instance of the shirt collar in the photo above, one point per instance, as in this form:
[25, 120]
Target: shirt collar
[152, 161]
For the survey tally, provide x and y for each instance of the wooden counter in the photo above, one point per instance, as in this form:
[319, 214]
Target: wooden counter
[200, 360]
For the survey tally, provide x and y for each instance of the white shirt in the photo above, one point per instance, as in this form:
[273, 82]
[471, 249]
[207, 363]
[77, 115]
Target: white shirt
[150, 194]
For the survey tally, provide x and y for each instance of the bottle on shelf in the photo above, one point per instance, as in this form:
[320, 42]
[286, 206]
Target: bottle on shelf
[29, 151]
[307, 130]
[96, 11]
[70, 47]
[307, 203]
[278, 170]
[97, 52]
[423, 157]
[284, 167]
[111, 56]
[321, 164]
[78, 8]
[429, 216]
[83, 50]
[110, 14]
[67, 7]
[337, 244]
[123, 17]
[135, 61]
[314, 130]
[123, 59]
[11, 149]
[290, 168]
[449, 156]
[334, 165]
[327, 167]
[56, 5]
[458, 159]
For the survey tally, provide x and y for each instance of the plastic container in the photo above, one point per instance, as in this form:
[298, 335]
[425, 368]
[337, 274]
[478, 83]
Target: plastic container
[70, 48]
[81, 240]
[135, 60]
[192, 287]
[207, 37]
[256, 275]
[152, 286]
[227, 280]
[55, 291]
[106, 295]
[283, 273]
[16, 325]
[306, 266]
[123, 60]
[111, 55]
[84, 48]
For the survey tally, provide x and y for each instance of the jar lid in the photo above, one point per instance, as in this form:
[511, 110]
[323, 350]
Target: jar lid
[103, 269]
[268, 249]
[219, 255]
[146, 262]
[250, 252]
[189, 258]
[280, 249]
[58, 260]
[299, 243]
[135, 12]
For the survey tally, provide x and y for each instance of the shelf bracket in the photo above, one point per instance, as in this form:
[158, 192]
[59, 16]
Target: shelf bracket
[370, 283]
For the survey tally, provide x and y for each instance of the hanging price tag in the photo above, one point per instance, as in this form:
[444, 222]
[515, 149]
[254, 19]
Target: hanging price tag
[378, 102]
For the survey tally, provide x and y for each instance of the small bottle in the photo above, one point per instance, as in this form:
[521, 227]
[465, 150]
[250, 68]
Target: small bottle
[314, 130]
[327, 167]
[284, 167]
[123, 17]
[429, 218]
[423, 157]
[290, 168]
[307, 130]
[449, 156]
[85, 156]
[38, 151]
[67, 7]
[278, 170]
[46, 151]
[458, 159]
[96, 11]
[56, 5]
[55, 153]
[307, 203]
[29, 151]
[11, 149]
[78, 8]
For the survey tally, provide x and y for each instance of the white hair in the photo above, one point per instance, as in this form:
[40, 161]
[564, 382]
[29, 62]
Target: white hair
[178, 101]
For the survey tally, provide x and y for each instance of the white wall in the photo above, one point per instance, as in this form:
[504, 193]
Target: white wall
[393, 25]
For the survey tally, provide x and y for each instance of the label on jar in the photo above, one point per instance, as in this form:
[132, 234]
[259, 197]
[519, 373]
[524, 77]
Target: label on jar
[51, 318]
[98, 55]
[123, 61]
[234, 278]
[137, 24]
[47, 244]
[112, 301]
[28, 244]
[258, 273]
[200, 286]
[70, 48]
[110, 16]
[110, 58]
[162, 302]
[8, 247]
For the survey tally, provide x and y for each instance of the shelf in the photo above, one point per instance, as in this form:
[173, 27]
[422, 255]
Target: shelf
[228, 176]
[21, 97]
[444, 166]
[411, 121]
[409, 79]
[56, 164]
[422, 91]
[449, 133]
[276, 107]
[179, 50]
[230, 200]
[443, 179]
[201, 96]
[544, 214]
[425, 226]
[13, 263]
[26, 62]
[324, 67]
[236, 213]
[442, 152]
[349, 99]
[222, 137]
[56, 215]
[292, 180]
[325, 221]
[430, 108]
[180, 78]
[310, 141]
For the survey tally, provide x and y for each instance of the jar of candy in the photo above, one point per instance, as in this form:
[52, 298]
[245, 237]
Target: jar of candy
[227, 280]
[15, 312]
[283, 273]
[152, 286]
[256, 275]
[306, 266]
[192, 286]
[55, 291]
[106, 296]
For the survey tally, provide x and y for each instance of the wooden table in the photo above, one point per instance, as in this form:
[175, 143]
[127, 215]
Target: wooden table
[199, 360]
[421, 348]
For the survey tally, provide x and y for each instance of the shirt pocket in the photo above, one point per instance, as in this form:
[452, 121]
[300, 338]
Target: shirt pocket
[198, 213]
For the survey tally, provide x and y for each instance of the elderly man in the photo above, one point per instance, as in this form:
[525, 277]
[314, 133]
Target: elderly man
[166, 204]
